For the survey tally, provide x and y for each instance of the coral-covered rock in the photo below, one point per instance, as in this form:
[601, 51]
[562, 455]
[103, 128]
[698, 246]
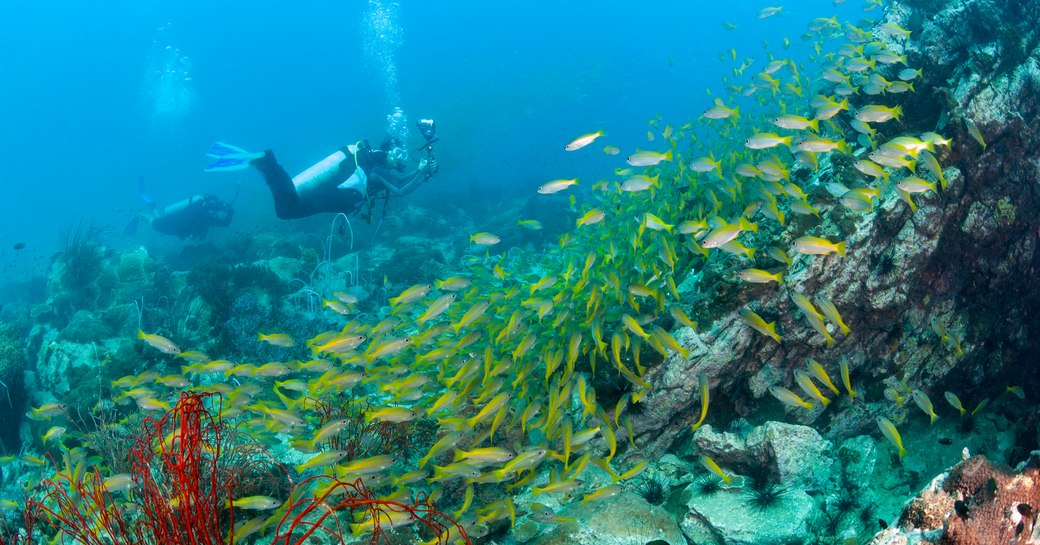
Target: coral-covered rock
[624, 519]
[975, 503]
[730, 517]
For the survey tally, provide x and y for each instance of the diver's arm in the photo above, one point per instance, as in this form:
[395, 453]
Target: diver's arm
[399, 185]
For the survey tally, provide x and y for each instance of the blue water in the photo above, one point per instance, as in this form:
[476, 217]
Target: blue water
[95, 95]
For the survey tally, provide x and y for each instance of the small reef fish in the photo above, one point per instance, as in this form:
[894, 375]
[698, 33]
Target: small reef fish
[767, 140]
[758, 324]
[805, 382]
[531, 225]
[817, 246]
[392, 414]
[259, 503]
[831, 312]
[611, 150]
[888, 429]
[605, 492]
[582, 141]
[484, 239]
[54, 434]
[769, 12]
[758, 276]
[873, 113]
[277, 339]
[119, 482]
[45, 412]
[787, 397]
[326, 458]
[160, 343]
[413, 293]
[556, 186]
[922, 401]
[648, 158]
[973, 130]
[454, 283]
[703, 383]
[720, 111]
[955, 402]
[844, 366]
[591, 217]
[820, 373]
[713, 467]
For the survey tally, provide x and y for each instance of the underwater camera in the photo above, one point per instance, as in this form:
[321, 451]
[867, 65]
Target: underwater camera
[428, 129]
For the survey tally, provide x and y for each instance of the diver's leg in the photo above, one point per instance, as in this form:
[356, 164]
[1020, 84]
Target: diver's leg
[287, 203]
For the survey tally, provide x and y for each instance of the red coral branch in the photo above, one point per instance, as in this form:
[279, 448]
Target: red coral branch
[175, 465]
[322, 511]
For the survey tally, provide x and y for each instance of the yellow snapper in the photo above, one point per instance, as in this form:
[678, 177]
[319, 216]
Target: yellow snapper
[582, 141]
[642, 158]
[556, 186]
[158, 342]
[484, 239]
[888, 429]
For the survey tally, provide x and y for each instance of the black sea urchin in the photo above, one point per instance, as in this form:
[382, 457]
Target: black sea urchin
[653, 491]
[708, 485]
[767, 497]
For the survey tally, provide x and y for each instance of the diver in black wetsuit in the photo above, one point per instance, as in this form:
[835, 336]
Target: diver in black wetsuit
[192, 217]
[189, 218]
[347, 181]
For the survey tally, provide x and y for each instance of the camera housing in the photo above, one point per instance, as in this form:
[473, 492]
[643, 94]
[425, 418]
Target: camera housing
[427, 128]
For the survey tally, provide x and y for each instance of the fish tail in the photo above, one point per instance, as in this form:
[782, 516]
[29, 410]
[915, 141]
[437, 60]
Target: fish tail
[933, 417]
[771, 328]
[840, 248]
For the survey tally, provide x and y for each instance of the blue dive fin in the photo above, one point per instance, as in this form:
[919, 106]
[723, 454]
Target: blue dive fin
[131, 227]
[228, 164]
[220, 149]
[142, 193]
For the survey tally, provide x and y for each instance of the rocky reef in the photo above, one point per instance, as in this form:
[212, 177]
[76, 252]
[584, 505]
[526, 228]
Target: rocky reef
[975, 502]
[941, 302]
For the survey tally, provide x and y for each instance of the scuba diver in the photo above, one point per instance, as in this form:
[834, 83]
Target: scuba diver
[189, 218]
[347, 181]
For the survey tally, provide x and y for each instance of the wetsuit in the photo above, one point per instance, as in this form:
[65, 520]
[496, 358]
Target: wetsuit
[291, 203]
[192, 217]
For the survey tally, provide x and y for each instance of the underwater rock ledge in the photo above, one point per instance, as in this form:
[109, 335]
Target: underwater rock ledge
[963, 261]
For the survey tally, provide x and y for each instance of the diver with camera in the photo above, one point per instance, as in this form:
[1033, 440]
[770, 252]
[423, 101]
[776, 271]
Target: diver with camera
[350, 180]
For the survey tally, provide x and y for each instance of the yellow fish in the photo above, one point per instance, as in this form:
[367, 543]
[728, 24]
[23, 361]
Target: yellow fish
[259, 503]
[973, 130]
[758, 324]
[703, 382]
[484, 239]
[277, 339]
[888, 429]
[556, 186]
[158, 342]
[582, 141]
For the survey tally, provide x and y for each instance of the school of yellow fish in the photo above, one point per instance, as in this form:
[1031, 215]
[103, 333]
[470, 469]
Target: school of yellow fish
[501, 356]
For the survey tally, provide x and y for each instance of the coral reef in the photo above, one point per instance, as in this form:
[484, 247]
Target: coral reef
[975, 502]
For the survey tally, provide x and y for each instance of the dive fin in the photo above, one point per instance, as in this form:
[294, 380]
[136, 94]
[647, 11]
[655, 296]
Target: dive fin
[142, 193]
[131, 227]
[229, 163]
[220, 149]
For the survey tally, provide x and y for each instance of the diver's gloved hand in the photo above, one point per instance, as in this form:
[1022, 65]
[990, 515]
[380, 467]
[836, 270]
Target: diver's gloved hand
[429, 166]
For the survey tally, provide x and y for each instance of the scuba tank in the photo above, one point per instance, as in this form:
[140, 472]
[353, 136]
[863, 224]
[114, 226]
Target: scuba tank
[178, 207]
[323, 172]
